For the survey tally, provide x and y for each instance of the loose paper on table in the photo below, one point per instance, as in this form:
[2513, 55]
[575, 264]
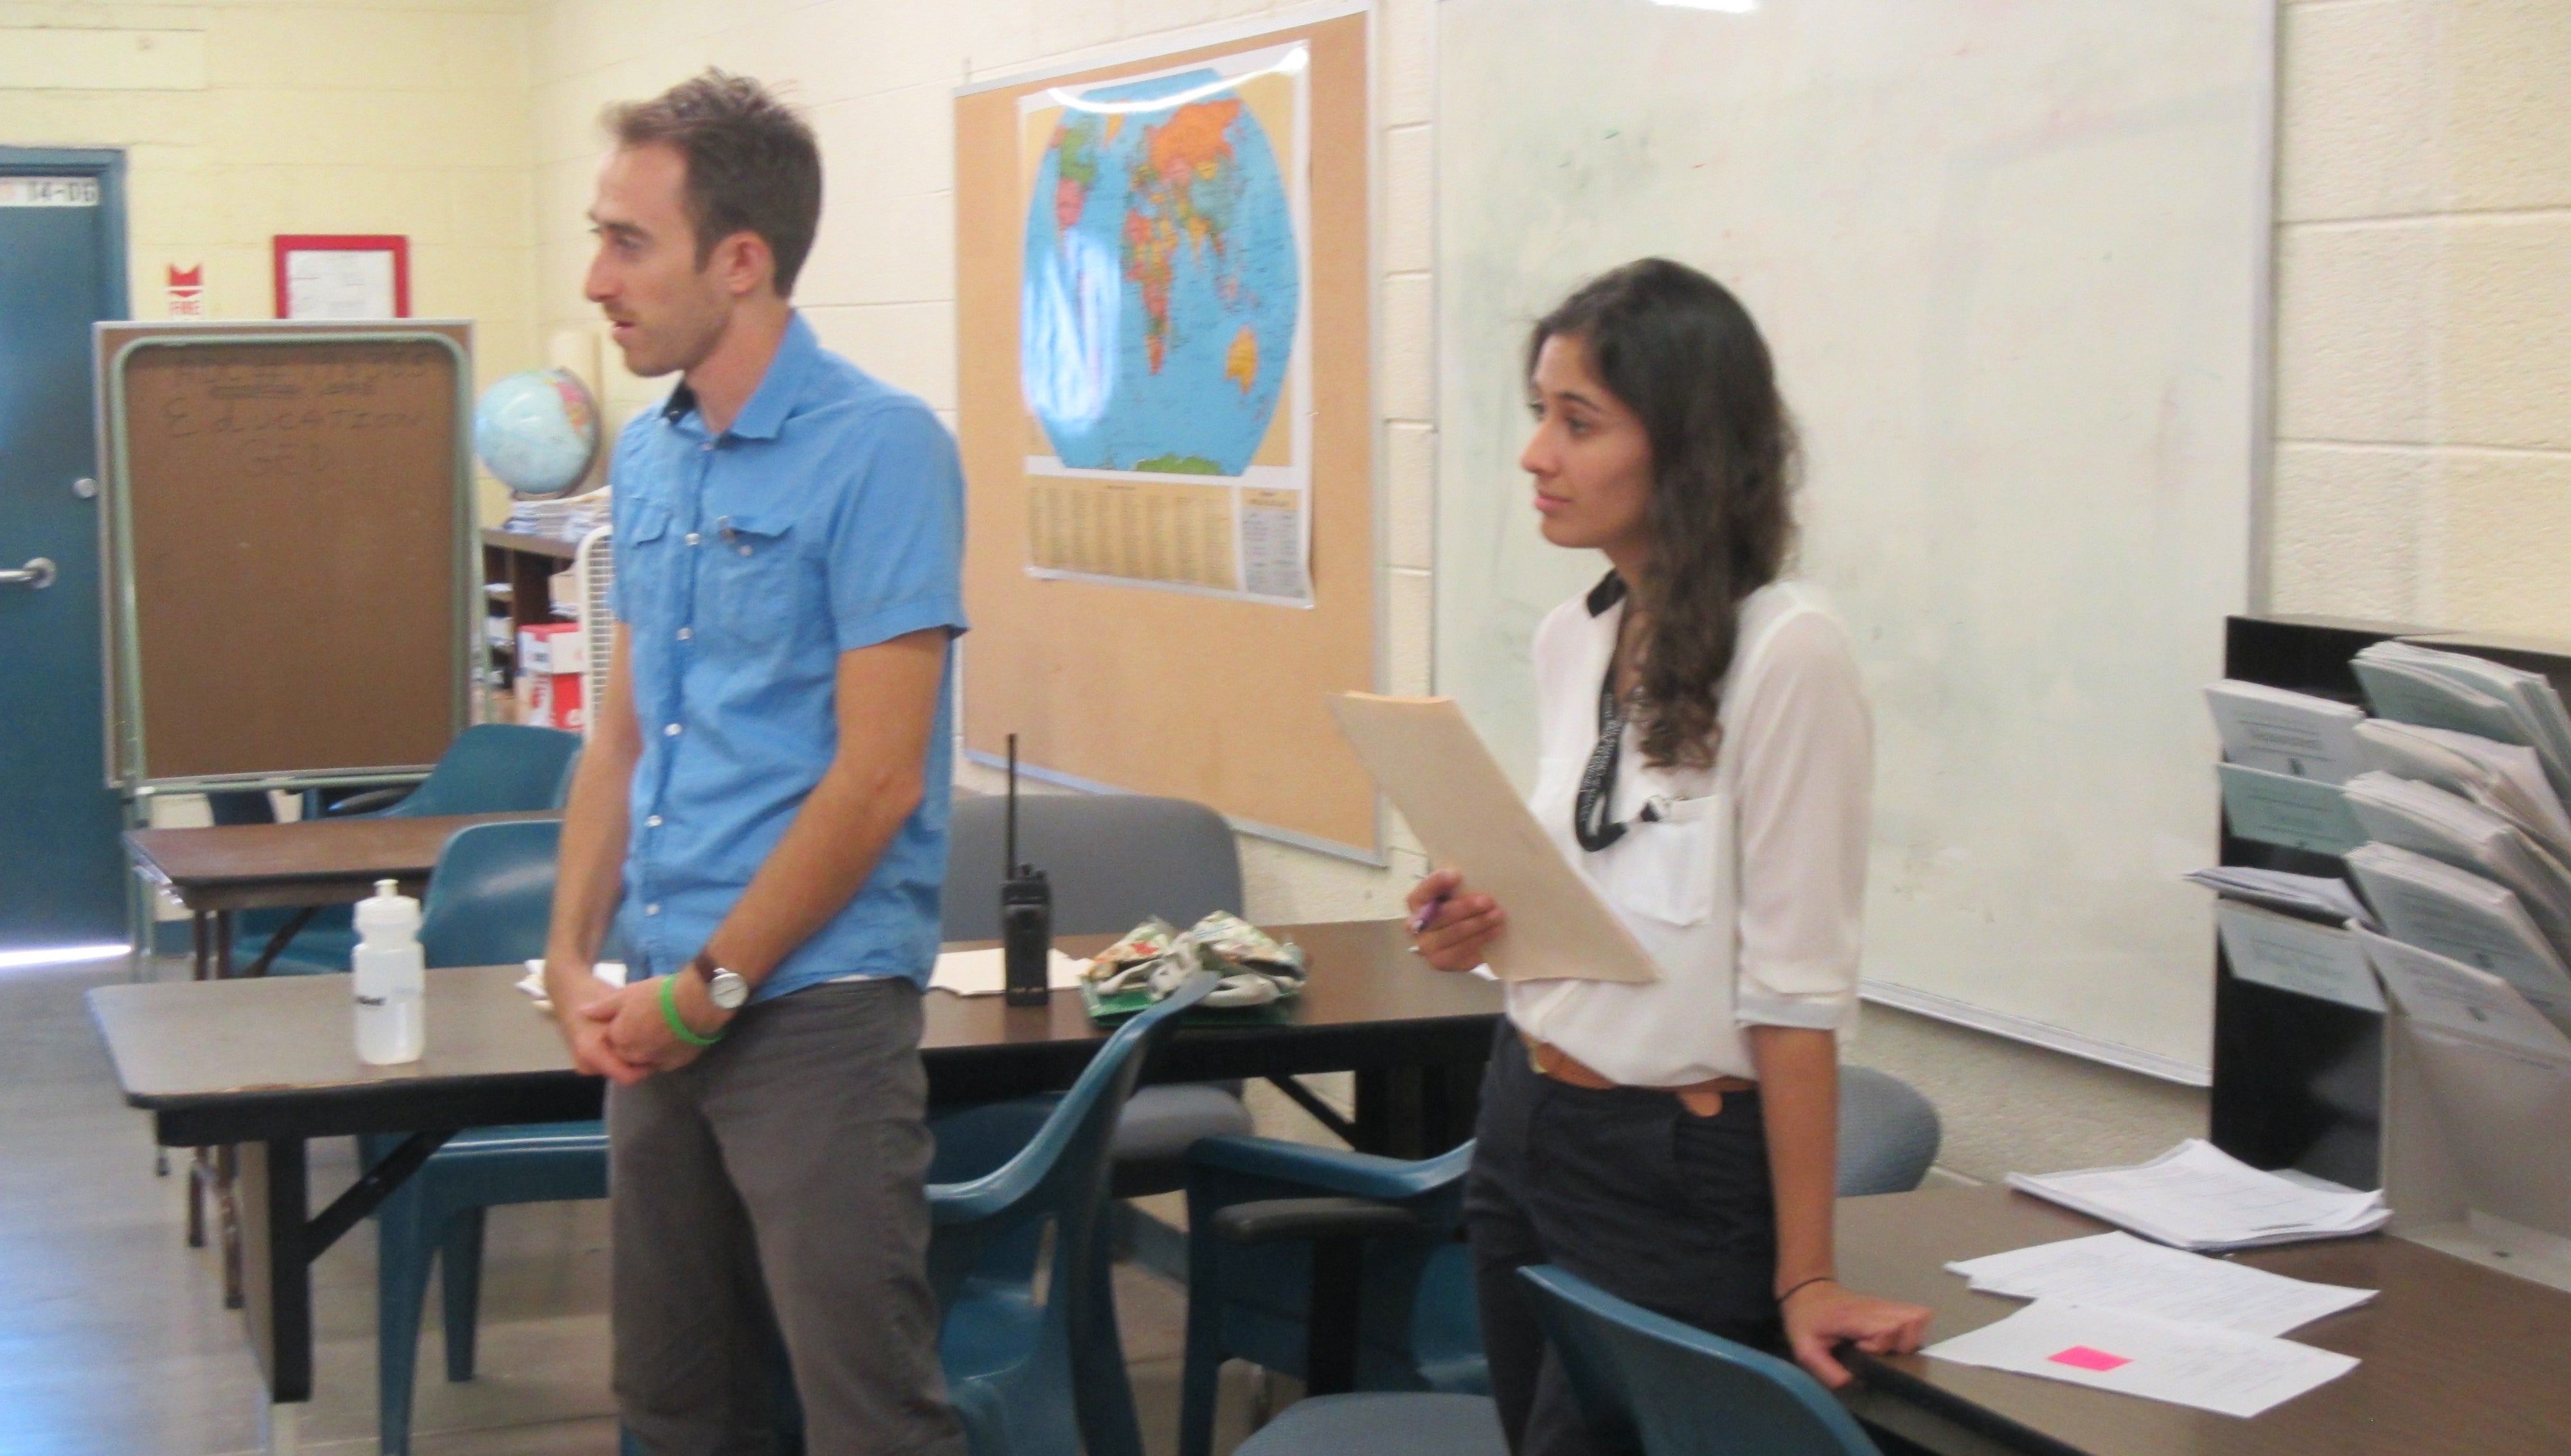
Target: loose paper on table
[2196, 1196]
[1434, 767]
[2120, 1271]
[2158, 1359]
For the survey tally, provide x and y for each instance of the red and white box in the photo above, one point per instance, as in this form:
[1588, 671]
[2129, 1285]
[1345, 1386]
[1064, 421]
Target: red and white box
[552, 660]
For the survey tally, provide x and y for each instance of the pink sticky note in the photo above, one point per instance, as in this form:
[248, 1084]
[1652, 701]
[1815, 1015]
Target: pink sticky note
[2084, 1359]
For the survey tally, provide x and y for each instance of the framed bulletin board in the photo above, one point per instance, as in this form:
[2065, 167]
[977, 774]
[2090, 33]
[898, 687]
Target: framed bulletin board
[343, 275]
[1167, 421]
[292, 575]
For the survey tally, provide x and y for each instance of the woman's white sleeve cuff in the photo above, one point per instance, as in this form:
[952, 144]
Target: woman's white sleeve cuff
[1816, 1013]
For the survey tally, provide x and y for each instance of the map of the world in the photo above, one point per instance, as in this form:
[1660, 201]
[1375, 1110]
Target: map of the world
[1161, 282]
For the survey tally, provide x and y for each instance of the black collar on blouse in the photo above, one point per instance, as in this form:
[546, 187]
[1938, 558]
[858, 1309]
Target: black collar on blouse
[1609, 591]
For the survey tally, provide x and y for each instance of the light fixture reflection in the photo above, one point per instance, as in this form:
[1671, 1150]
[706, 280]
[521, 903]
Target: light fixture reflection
[1728, 7]
[60, 955]
[1284, 65]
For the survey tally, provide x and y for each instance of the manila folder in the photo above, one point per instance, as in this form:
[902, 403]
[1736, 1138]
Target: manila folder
[1434, 766]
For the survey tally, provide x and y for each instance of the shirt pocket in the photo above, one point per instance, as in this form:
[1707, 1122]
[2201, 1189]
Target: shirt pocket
[1666, 868]
[644, 566]
[751, 580]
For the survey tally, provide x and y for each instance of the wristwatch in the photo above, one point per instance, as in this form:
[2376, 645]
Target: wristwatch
[726, 989]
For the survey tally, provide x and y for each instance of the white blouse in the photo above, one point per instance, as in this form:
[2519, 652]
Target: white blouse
[1749, 890]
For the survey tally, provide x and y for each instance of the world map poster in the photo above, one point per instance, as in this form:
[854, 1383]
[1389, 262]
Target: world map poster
[1164, 355]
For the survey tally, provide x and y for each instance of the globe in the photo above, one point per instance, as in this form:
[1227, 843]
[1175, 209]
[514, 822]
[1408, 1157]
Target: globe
[536, 430]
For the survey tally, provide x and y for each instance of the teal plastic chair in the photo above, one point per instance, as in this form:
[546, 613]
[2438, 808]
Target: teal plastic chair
[489, 902]
[490, 768]
[1269, 1219]
[1417, 1320]
[1030, 1379]
[1647, 1382]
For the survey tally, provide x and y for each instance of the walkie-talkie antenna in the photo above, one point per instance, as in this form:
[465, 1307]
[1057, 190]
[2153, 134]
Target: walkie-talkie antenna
[1009, 863]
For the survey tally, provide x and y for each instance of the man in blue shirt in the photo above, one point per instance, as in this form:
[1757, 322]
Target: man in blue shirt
[762, 811]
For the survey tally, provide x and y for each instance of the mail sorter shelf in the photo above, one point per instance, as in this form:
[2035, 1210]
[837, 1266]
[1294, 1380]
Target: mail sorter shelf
[2299, 1081]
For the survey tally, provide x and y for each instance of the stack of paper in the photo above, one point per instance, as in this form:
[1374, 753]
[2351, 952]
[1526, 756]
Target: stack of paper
[2312, 896]
[2418, 685]
[2448, 994]
[984, 972]
[2503, 778]
[2120, 1271]
[2158, 1359]
[2293, 734]
[2462, 917]
[2198, 1196]
[2295, 954]
[2415, 817]
[2279, 808]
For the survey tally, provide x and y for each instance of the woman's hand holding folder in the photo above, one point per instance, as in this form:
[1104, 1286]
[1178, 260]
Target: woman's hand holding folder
[1450, 929]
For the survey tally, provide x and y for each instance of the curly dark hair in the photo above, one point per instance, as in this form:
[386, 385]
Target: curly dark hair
[752, 165]
[1681, 352]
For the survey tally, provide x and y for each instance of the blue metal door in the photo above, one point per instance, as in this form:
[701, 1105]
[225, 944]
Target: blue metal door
[62, 267]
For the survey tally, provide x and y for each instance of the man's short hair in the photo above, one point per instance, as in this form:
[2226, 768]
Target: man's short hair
[752, 165]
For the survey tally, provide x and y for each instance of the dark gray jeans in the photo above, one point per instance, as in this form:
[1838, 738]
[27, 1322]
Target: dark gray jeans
[1626, 1190]
[774, 1185]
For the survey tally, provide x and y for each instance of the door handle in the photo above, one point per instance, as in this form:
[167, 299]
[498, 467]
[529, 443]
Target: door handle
[35, 576]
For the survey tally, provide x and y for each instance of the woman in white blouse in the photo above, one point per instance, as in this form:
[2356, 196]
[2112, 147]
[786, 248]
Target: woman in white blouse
[1706, 761]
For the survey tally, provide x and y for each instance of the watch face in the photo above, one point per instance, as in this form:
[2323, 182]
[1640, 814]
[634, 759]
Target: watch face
[726, 990]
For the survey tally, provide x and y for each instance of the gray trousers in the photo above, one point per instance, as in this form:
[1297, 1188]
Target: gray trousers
[774, 1185]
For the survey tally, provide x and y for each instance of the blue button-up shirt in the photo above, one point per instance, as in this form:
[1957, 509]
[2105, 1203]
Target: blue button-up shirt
[830, 517]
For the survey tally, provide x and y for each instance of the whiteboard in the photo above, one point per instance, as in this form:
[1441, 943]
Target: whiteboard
[2011, 256]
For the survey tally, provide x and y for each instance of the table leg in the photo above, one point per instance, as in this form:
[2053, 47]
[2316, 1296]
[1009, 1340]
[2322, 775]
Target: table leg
[282, 1423]
[228, 1219]
[283, 936]
[277, 1268]
[201, 964]
[280, 1239]
[1416, 1112]
[227, 1207]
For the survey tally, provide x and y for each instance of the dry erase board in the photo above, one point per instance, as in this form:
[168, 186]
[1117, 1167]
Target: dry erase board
[1159, 687]
[288, 518]
[2011, 258]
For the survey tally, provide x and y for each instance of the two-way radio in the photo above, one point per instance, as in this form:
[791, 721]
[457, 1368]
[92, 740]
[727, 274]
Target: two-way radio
[1026, 915]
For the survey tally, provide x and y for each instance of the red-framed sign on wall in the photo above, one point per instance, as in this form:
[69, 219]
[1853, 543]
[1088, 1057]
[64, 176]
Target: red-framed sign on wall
[343, 275]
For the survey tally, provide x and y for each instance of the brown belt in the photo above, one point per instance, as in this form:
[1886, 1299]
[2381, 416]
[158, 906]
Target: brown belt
[1704, 1099]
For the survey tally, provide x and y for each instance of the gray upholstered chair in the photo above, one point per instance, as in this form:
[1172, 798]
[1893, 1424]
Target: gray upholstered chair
[1114, 860]
[1888, 1134]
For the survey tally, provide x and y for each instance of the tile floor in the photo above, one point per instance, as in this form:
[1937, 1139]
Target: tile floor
[114, 1340]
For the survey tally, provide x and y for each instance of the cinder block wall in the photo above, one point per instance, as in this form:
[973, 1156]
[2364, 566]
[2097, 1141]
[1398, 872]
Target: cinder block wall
[879, 80]
[245, 119]
[2424, 345]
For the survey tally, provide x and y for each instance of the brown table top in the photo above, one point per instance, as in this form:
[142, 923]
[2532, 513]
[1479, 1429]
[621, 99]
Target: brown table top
[2456, 1358]
[232, 860]
[278, 1052]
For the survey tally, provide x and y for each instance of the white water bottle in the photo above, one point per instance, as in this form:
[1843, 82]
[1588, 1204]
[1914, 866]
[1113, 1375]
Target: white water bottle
[390, 978]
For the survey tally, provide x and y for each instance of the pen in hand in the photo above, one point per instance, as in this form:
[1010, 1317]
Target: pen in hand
[1427, 915]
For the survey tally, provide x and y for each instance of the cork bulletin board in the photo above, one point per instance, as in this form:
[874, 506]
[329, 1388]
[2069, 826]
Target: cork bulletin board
[1170, 623]
[290, 574]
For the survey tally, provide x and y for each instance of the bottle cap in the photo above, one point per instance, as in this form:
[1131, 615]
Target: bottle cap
[388, 911]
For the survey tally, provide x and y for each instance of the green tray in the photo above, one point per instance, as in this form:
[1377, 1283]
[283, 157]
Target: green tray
[1108, 1010]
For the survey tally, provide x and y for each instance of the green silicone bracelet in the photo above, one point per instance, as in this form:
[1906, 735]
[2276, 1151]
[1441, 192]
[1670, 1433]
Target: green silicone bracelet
[670, 1009]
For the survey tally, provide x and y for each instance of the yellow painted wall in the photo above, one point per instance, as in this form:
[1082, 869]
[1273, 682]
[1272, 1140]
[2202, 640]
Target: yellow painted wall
[245, 119]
